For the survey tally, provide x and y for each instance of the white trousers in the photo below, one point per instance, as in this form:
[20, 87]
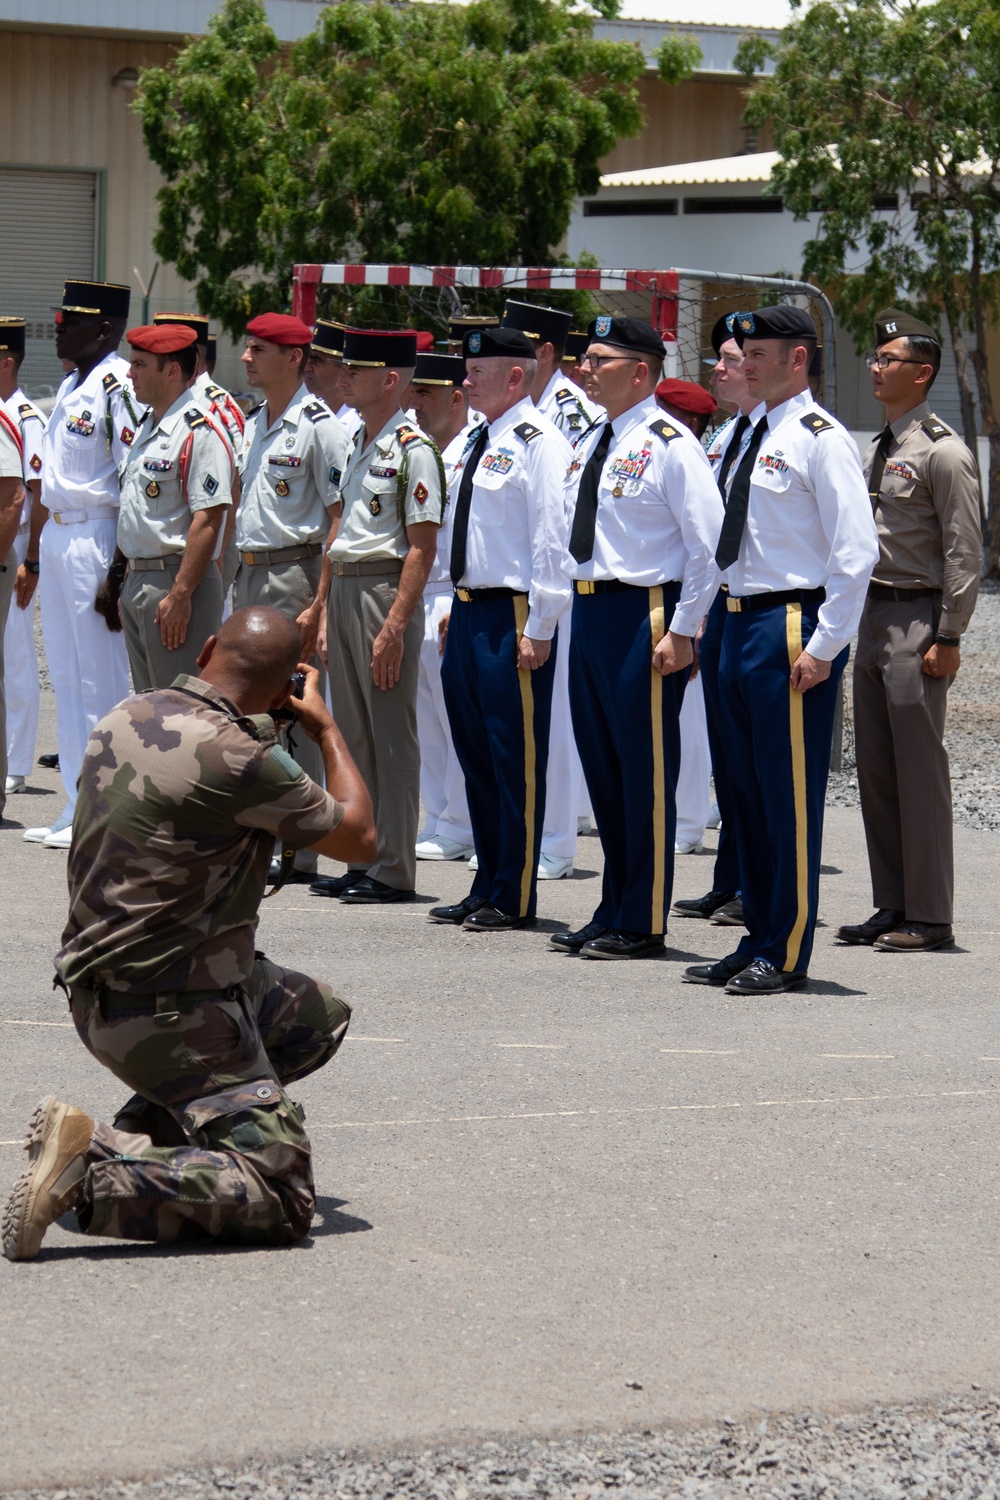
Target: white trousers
[693, 804]
[442, 785]
[20, 670]
[565, 790]
[87, 662]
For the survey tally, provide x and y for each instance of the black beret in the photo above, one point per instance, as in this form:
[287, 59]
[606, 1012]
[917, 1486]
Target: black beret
[781, 322]
[11, 335]
[626, 333]
[99, 299]
[549, 325]
[893, 323]
[498, 343]
[380, 348]
[439, 369]
[722, 331]
[576, 345]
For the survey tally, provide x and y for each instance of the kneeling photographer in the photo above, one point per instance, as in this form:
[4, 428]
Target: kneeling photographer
[183, 793]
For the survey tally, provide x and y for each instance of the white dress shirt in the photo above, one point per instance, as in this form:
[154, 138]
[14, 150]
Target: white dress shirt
[517, 521]
[439, 578]
[659, 512]
[90, 429]
[809, 522]
[31, 424]
[568, 408]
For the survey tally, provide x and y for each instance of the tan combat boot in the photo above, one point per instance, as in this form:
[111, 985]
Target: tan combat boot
[57, 1144]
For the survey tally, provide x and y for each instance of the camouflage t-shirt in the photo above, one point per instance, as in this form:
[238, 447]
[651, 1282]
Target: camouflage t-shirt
[180, 801]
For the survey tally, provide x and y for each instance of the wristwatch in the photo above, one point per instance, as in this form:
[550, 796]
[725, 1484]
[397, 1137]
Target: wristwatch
[32, 567]
[947, 640]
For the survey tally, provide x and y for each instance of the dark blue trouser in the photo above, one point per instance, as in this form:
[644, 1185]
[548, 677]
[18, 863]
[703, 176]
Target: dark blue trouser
[779, 743]
[726, 876]
[499, 721]
[625, 718]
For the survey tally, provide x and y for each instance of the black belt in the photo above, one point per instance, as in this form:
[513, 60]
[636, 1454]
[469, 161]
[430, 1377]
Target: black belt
[884, 594]
[603, 585]
[475, 596]
[771, 601]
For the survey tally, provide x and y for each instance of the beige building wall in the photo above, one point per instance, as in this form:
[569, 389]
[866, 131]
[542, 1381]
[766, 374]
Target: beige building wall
[698, 120]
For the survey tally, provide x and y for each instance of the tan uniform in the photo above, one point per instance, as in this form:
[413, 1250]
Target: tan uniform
[175, 467]
[395, 481]
[925, 583]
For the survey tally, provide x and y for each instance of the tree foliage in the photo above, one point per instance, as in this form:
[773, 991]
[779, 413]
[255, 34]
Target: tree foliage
[431, 133]
[871, 101]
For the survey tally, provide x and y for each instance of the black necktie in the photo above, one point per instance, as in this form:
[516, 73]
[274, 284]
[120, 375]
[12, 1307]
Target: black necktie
[460, 534]
[878, 465]
[581, 541]
[728, 549]
[732, 449]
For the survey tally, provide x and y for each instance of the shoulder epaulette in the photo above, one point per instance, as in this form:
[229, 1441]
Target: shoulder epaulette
[195, 418]
[664, 430]
[566, 394]
[316, 411]
[408, 435]
[935, 428]
[215, 391]
[111, 383]
[815, 422]
[526, 432]
[26, 410]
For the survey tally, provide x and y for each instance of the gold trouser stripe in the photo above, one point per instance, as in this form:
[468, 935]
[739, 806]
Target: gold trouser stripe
[528, 714]
[657, 628]
[793, 637]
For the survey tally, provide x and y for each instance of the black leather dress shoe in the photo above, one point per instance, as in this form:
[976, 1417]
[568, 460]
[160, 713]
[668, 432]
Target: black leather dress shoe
[491, 919]
[718, 973]
[335, 885]
[370, 892]
[624, 945]
[458, 912]
[763, 978]
[50, 762]
[294, 877]
[572, 942]
[865, 933]
[705, 906]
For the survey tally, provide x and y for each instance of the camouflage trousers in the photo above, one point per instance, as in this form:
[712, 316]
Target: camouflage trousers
[211, 1144]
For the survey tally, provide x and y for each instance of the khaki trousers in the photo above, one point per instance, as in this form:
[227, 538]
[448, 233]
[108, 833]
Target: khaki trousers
[903, 775]
[7, 580]
[151, 663]
[289, 588]
[380, 728]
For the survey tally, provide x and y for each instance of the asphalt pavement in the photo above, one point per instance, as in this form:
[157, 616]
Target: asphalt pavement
[554, 1195]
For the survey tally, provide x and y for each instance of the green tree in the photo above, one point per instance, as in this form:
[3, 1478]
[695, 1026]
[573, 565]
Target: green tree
[871, 101]
[431, 133]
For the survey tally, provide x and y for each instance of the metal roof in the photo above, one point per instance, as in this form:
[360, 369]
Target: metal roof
[724, 170]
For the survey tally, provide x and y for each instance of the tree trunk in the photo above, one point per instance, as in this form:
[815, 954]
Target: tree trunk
[981, 363]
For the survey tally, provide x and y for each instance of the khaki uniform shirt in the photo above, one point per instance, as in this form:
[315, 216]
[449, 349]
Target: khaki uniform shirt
[394, 482]
[180, 802]
[929, 530]
[157, 499]
[291, 474]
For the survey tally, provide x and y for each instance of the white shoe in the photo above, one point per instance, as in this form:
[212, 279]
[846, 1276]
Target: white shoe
[39, 835]
[550, 867]
[439, 847]
[15, 784]
[583, 825]
[474, 862]
[59, 838]
[683, 848]
[714, 817]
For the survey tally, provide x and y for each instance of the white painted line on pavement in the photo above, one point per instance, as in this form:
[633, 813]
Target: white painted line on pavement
[876, 1056]
[535, 1046]
[40, 1023]
[375, 1039]
[698, 1052]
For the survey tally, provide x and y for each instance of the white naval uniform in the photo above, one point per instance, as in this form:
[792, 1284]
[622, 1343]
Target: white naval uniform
[90, 429]
[10, 468]
[568, 409]
[20, 656]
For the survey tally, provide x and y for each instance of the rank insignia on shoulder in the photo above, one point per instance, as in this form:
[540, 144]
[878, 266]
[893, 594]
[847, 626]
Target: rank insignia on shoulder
[564, 395]
[215, 391]
[111, 383]
[934, 428]
[195, 418]
[127, 436]
[152, 489]
[526, 432]
[816, 423]
[408, 435]
[26, 409]
[315, 411]
[35, 462]
[420, 493]
[664, 430]
[281, 488]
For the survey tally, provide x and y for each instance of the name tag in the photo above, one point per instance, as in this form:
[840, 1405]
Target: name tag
[285, 460]
[497, 463]
[633, 466]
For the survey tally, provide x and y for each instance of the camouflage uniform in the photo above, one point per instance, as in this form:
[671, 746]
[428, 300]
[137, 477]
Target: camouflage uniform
[180, 801]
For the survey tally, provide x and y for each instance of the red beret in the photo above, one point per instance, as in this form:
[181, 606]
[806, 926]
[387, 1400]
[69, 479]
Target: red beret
[280, 328]
[161, 338]
[425, 342]
[687, 396]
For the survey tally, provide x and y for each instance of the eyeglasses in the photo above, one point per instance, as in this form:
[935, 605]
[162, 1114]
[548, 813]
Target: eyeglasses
[595, 361]
[885, 360]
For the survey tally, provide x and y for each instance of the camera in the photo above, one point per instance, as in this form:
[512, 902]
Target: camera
[286, 715]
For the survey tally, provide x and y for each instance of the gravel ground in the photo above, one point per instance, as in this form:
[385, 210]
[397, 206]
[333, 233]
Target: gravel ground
[916, 1452]
[973, 725]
